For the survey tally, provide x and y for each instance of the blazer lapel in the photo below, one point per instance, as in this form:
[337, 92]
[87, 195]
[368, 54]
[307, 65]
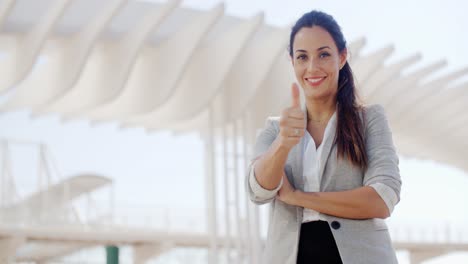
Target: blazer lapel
[327, 146]
[297, 157]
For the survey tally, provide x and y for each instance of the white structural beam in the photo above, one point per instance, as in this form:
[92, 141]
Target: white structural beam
[355, 49]
[364, 66]
[456, 95]
[44, 202]
[218, 55]
[243, 33]
[104, 235]
[384, 75]
[418, 146]
[24, 54]
[243, 243]
[455, 124]
[5, 9]
[44, 252]
[210, 189]
[460, 125]
[250, 70]
[227, 191]
[108, 67]
[272, 96]
[252, 211]
[421, 92]
[446, 113]
[390, 93]
[158, 70]
[64, 63]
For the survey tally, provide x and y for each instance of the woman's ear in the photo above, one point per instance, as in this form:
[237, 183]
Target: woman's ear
[291, 60]
[343, 57]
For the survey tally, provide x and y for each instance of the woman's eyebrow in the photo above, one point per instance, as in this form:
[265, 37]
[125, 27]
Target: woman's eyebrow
[324, 47]
[321, 48]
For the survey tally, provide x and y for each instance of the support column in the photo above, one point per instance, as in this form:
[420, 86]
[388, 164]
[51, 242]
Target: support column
[227, 198]
[8, 247]
[112, 254]
[212, 223]
[252, 210]
[242, 240]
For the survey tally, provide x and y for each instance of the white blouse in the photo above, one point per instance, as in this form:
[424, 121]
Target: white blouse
[311, 167]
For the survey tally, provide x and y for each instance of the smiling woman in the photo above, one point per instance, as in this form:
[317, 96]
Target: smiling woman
[329, 170]
[316, 60]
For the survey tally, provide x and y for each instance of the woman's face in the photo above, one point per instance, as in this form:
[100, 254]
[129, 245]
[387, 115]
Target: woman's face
[317, 61]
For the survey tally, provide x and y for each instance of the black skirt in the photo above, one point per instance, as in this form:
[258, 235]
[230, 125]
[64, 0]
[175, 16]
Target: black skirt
[317, 244]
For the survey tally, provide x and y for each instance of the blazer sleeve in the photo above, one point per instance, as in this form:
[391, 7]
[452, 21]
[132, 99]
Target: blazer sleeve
[382, 173]
[257, 194]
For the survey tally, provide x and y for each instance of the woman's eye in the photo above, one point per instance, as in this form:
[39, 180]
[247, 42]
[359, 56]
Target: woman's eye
[301, 57]
[324, 55]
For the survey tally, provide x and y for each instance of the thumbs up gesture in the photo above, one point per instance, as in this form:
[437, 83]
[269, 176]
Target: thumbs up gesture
[292, 122]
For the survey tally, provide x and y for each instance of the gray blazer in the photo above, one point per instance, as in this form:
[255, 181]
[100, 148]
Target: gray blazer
[358, 241]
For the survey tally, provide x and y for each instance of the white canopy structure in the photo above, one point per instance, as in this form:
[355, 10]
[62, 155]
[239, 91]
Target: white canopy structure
[53, 198]
[160, 66]
[163, 66]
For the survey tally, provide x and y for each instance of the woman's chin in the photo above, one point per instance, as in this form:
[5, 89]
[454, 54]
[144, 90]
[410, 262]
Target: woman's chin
[317, 94]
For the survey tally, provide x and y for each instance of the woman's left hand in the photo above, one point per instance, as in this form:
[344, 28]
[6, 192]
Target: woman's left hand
[287, 193]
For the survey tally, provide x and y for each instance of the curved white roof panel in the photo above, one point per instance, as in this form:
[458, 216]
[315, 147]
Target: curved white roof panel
[159, 66]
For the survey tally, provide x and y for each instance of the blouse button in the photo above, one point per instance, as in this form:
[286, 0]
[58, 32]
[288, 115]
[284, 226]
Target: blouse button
[335, 225]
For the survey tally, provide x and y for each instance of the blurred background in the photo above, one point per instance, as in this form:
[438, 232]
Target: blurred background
[126, 126]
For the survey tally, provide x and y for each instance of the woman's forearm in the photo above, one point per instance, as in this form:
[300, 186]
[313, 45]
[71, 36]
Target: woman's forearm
[360, 203]
[269, 168]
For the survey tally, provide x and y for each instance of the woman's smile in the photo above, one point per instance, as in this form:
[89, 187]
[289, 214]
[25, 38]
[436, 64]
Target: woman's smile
[314, 81]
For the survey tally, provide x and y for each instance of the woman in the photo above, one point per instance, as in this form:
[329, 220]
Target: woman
[329, 170]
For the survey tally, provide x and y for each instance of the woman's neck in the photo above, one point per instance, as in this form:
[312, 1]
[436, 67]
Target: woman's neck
[320, 110]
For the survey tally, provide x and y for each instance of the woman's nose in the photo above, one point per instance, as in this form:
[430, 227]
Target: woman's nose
[312, 65]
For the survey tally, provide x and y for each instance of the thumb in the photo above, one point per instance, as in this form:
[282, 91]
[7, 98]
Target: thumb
[295, 95]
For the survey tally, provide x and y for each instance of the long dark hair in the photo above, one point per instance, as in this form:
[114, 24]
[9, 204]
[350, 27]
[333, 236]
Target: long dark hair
[349, 135]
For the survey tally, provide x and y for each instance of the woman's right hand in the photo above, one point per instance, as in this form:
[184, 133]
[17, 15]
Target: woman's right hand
[292, 122]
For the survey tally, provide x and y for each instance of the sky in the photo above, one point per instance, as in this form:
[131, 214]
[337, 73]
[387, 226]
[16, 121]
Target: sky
[146, 168]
